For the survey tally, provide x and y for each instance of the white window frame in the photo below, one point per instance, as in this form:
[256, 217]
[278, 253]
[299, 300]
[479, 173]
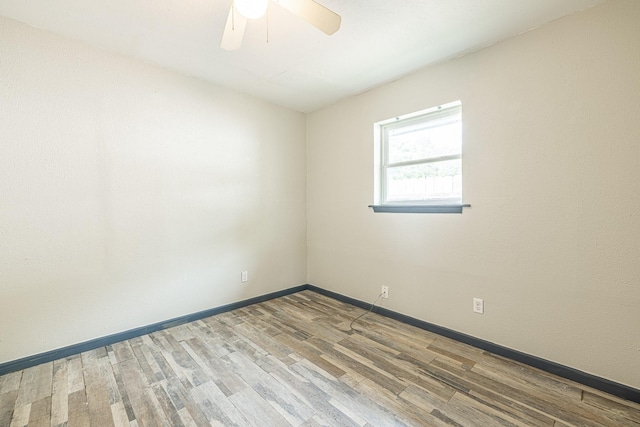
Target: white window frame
[381, 132]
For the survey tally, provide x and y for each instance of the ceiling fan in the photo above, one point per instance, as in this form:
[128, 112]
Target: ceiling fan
[314, 13]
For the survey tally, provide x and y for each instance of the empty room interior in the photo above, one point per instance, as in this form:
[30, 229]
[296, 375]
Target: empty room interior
[213, 218]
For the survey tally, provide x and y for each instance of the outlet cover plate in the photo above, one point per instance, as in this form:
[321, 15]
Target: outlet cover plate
[478, 305]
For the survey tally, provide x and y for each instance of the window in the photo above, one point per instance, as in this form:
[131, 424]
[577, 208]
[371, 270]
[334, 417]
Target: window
[419, 158]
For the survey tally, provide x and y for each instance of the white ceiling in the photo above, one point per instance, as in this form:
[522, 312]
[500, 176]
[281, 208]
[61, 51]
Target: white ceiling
[300, 67]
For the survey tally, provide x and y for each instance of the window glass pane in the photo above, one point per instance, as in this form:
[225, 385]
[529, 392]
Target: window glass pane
[434, 138]
[429, 181]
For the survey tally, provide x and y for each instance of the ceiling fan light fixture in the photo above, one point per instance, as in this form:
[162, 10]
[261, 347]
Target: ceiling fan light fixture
[252, 9]
[311, 11]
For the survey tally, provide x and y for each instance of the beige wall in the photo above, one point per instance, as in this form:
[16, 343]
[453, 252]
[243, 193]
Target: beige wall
[131, 194]
[551, 165]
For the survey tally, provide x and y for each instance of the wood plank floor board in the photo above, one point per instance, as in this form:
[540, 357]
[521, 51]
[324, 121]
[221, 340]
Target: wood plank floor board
[138, 347]
[562, 410]
[59, 393]
[119, 414]
[388, 363]
[354, 341]
[35, 384]
[283, 326]
[311, 354]
[40, 415]
[157, 408]
[296, 361]
[434, 387]
[457, 348]
[214, 342]
[217, 369]
[78, 409]
[290, 329]
[75, 377]
[627, 410]
[525, 414]
[184, 398]
[147, 351]
[184, 363]
[407, 412]
[292, 408]
[307, 391]
[462, 410]
[610, 411]
[314, 422]
[181, 333]
[139, 392]
[399, 331]
[122, 351]
[349, 361]
[161, 342]
[267, 343]
[97, 390]
[357, 406]
[7, 403]
[122, 391]
[182, 373]
[156, 360]
[445, 419]
[186, 418]
[10, 382]
[256, 410]
[107, 375]
[518, 375]
[216, 407]
[451, 355]
[173, 394]
[385, 373]
[248, 348]
[422, 398]
[21, 416]
[167, 405]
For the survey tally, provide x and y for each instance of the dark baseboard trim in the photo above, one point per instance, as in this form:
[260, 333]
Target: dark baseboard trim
[29, 361]
[602, 384]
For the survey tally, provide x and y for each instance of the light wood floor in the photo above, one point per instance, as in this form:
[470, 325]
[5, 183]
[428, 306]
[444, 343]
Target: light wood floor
[294, 361]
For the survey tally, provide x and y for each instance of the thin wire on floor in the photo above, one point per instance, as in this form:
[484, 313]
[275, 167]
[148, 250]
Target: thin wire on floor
[364, 314]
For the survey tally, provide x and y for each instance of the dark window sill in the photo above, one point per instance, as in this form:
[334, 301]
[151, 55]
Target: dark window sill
[418, 208]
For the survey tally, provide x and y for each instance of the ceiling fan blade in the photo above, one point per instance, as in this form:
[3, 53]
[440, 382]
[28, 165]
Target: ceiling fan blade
[233, 30]
[314, 13]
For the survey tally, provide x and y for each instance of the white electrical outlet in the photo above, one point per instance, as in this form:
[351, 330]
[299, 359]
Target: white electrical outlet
[385, 292]
[244, 276]
[478, 305]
